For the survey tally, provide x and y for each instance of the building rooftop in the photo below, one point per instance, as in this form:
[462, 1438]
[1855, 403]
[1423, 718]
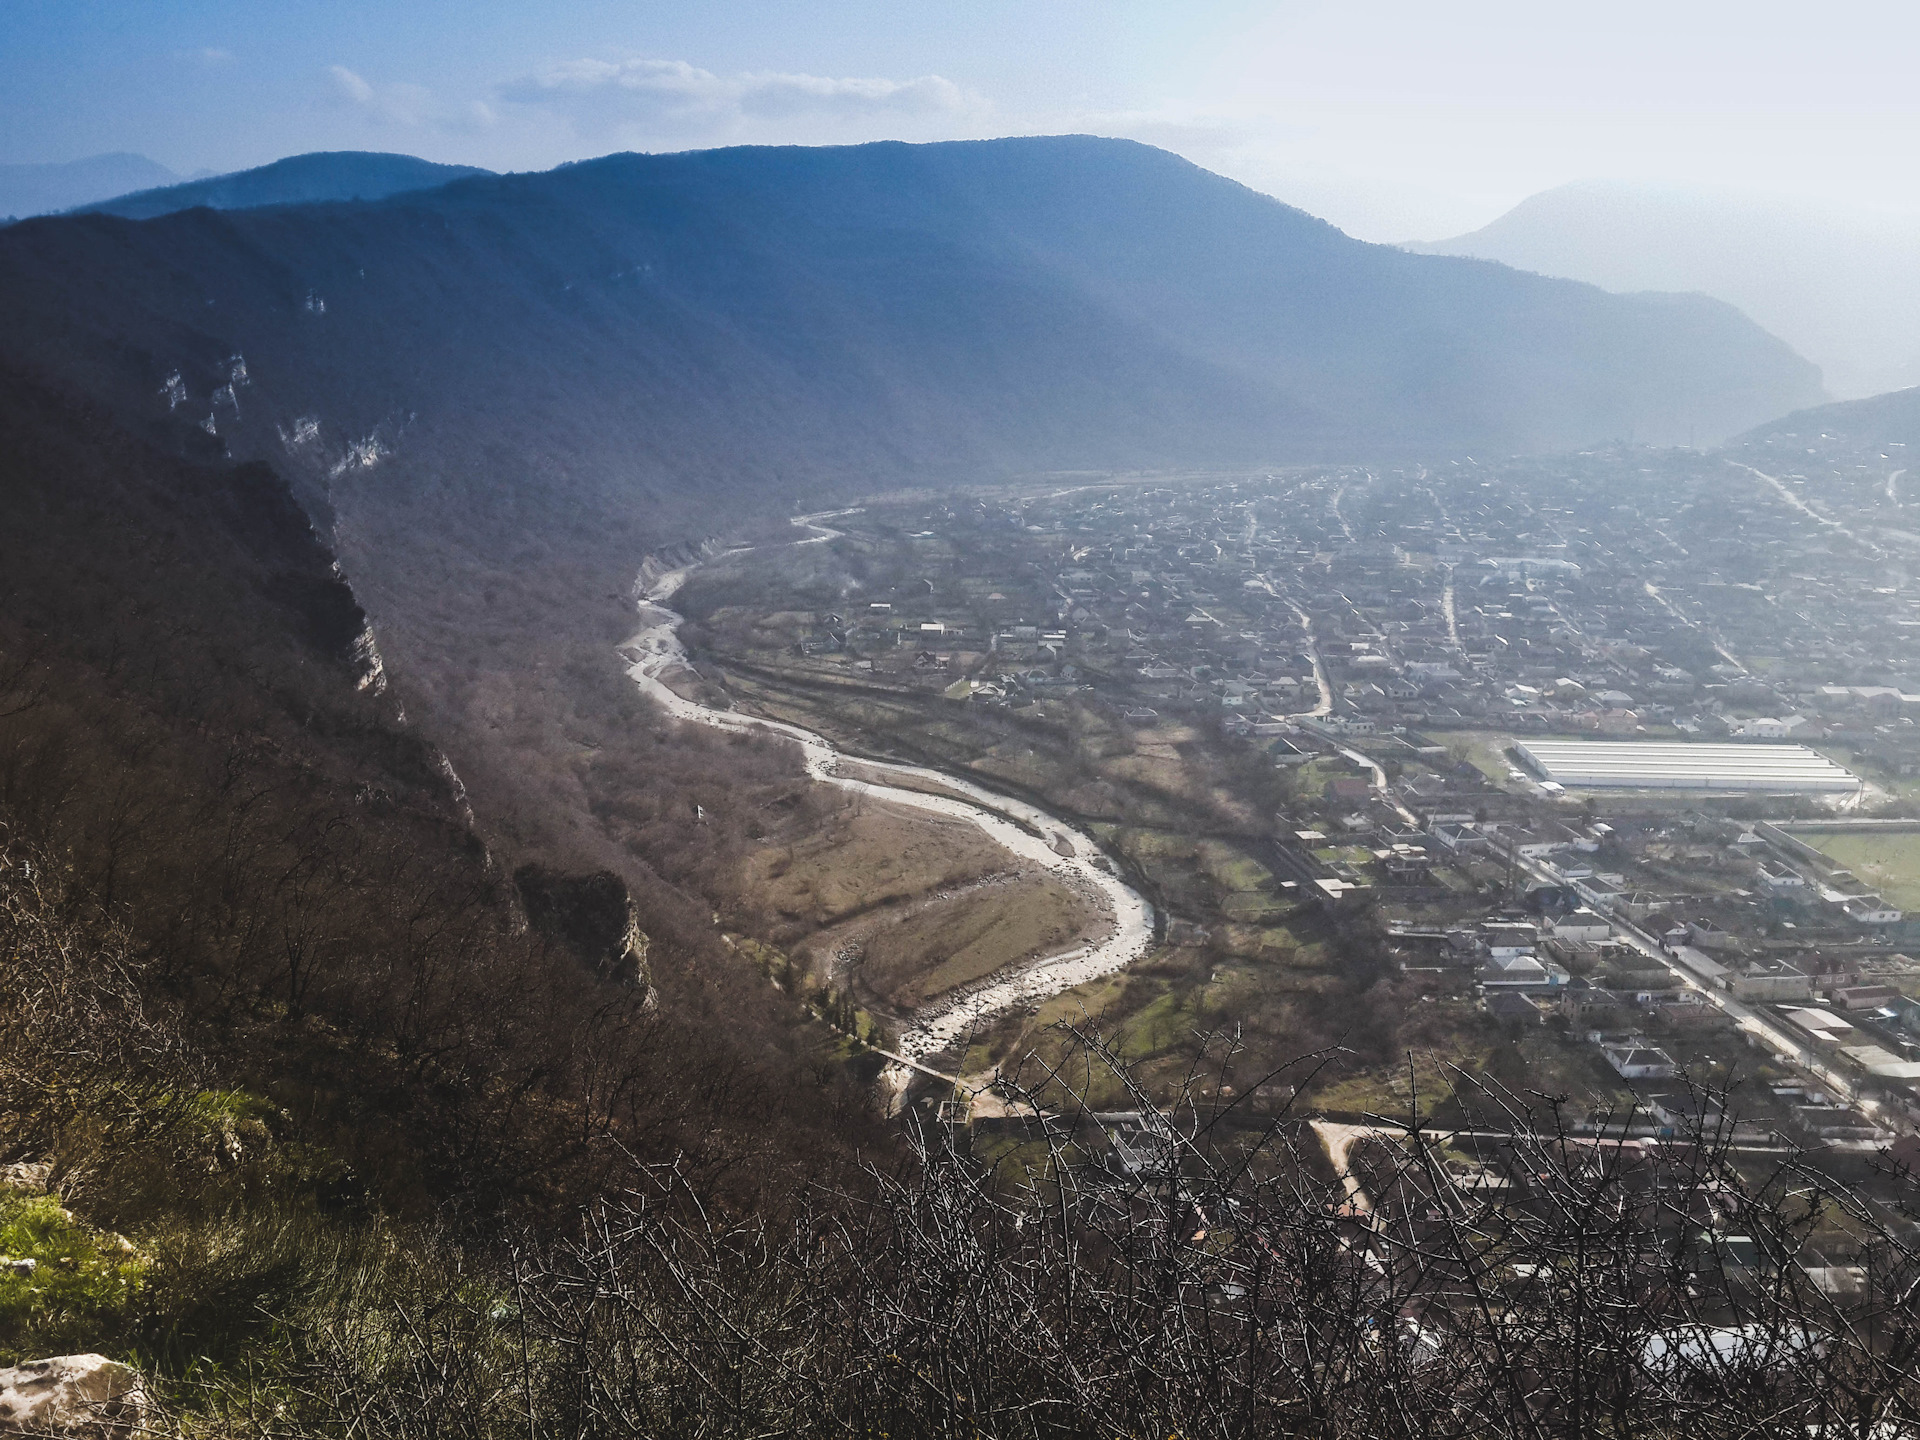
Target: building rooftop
[1679, 765]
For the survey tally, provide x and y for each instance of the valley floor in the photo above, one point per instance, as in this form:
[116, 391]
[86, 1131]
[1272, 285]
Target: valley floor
[944, 902]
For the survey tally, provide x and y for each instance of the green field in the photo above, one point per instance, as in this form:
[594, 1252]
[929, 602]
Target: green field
[1890, 863]
[1485, 750]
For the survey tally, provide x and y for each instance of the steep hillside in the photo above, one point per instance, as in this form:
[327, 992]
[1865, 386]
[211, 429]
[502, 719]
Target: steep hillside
[296, 180]
[1843, 290]
[195, 726]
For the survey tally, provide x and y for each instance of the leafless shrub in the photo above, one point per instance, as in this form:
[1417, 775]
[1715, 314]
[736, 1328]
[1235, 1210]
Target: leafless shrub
[1179, 1273]
[90, 1081]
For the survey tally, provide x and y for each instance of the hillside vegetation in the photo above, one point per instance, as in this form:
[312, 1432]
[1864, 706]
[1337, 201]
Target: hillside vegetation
[194, 731]
[394, 1034]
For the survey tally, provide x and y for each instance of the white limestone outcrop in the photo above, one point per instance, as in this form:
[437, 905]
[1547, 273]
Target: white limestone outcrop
[88, 1397]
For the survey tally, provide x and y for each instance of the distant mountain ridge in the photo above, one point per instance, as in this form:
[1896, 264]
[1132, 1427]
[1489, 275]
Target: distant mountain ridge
[555, 374]
[519, 386]
[297, 180]
[1843, 290]
[1026, 303]
[46, 189]
[1876, 420]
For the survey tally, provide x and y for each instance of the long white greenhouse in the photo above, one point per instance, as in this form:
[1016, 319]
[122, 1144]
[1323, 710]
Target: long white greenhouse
[1662, 765]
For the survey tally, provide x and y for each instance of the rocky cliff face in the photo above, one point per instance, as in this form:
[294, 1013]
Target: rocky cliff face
[210, 572]
[592, 916]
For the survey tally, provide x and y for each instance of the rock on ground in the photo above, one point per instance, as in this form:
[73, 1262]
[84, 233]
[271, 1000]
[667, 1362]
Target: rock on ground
[87, 1397]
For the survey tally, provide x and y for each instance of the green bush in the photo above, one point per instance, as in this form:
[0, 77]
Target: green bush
[84, 1284]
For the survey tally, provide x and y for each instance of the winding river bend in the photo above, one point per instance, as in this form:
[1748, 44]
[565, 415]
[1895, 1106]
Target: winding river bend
[1026, 830]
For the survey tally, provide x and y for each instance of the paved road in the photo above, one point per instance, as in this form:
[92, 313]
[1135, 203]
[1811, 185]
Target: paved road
[1380, 785]
[1781, 488]
[1325, 705]
[1754, 1022]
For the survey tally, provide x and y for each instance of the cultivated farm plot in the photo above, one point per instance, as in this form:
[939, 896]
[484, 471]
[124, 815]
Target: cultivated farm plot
[1890, 863]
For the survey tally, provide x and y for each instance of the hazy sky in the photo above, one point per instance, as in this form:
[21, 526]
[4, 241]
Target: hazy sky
[1394, 119]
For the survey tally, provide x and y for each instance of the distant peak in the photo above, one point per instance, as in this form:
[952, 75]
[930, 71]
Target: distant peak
[321, 175]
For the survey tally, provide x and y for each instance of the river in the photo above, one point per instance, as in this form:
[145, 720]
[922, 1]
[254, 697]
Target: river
[1028, 831]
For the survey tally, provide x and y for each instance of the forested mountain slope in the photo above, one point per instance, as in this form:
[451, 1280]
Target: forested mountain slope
[297, 180]
[1007, 304]
[195, 729]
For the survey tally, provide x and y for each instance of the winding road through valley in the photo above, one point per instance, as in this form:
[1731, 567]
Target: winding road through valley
[1026, 830]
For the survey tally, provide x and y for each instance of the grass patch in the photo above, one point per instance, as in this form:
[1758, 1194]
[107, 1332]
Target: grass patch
[871, 855]
[1165, 1023]
[1394, 1089]
[1485, 750]
[1890, 863]
[957, 941]
[1343, 855]
[83, 1281]
[1230, 869]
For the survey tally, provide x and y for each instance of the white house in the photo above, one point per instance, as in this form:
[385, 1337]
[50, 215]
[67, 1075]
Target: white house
[1871, 910]
[1582, 924]
[1520, 972]
[1784, 883]
[1636, 1059]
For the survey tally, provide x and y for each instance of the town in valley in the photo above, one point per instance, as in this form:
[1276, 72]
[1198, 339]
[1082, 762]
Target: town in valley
[1593, 779]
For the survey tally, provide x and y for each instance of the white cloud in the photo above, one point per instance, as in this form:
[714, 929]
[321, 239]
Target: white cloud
[672, 97]
[412, 107]
[351, 85]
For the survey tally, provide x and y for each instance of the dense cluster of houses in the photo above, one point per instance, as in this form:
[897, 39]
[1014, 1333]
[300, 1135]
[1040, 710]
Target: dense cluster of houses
[1366, 629]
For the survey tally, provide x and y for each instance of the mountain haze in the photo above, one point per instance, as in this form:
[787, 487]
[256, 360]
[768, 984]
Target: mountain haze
[44, 189]
[1843, 290]
[1893, 418]
[298, 179]
[393, 994]
[934, 309]
[497, 396]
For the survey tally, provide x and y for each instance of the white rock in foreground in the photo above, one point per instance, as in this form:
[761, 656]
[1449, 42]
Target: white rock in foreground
[85, 1396]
